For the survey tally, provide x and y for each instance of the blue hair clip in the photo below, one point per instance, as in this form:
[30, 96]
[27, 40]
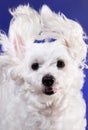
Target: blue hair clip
[39, 41]
[1, 50]
[52, 40]
[44, 40]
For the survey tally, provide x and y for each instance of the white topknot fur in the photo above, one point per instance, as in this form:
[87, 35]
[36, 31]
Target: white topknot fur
[24, 100]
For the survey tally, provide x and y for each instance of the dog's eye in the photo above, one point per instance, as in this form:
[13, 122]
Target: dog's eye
[60, 64]
[35, 66]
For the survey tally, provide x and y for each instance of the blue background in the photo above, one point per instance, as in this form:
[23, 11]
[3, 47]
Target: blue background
[74, 9]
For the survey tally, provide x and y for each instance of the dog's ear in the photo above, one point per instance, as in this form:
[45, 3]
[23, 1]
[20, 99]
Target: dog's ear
[23, 30]
[18, 46]
[67, 29]
[77, 50]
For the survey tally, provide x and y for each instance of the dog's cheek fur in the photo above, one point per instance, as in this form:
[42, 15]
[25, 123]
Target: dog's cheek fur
[73, 75]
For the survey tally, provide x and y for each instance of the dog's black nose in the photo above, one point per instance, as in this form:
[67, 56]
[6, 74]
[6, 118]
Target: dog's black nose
[48, 80]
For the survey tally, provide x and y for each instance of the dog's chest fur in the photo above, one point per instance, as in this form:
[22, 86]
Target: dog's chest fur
[27, 111]
[42, 116]
[53, 115]
[47, 116]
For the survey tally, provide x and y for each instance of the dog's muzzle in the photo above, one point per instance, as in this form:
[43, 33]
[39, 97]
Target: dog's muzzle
[48, 82]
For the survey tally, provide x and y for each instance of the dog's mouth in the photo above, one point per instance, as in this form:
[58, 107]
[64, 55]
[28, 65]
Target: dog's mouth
[49, 91]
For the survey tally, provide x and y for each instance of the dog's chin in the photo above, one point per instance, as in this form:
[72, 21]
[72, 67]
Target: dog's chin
[49, 91]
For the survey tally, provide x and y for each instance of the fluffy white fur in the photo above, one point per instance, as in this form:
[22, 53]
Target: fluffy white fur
[23, 103]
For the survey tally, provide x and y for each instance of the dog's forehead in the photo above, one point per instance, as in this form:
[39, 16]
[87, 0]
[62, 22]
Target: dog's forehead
[47, 50]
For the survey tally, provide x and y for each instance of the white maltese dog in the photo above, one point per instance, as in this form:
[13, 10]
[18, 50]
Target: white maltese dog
[41, 72]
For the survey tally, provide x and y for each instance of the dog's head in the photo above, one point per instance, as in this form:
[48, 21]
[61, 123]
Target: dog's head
[49, 50]
[49, 67]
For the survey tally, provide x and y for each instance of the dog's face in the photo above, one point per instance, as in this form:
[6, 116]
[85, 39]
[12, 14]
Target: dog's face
[48, 68]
